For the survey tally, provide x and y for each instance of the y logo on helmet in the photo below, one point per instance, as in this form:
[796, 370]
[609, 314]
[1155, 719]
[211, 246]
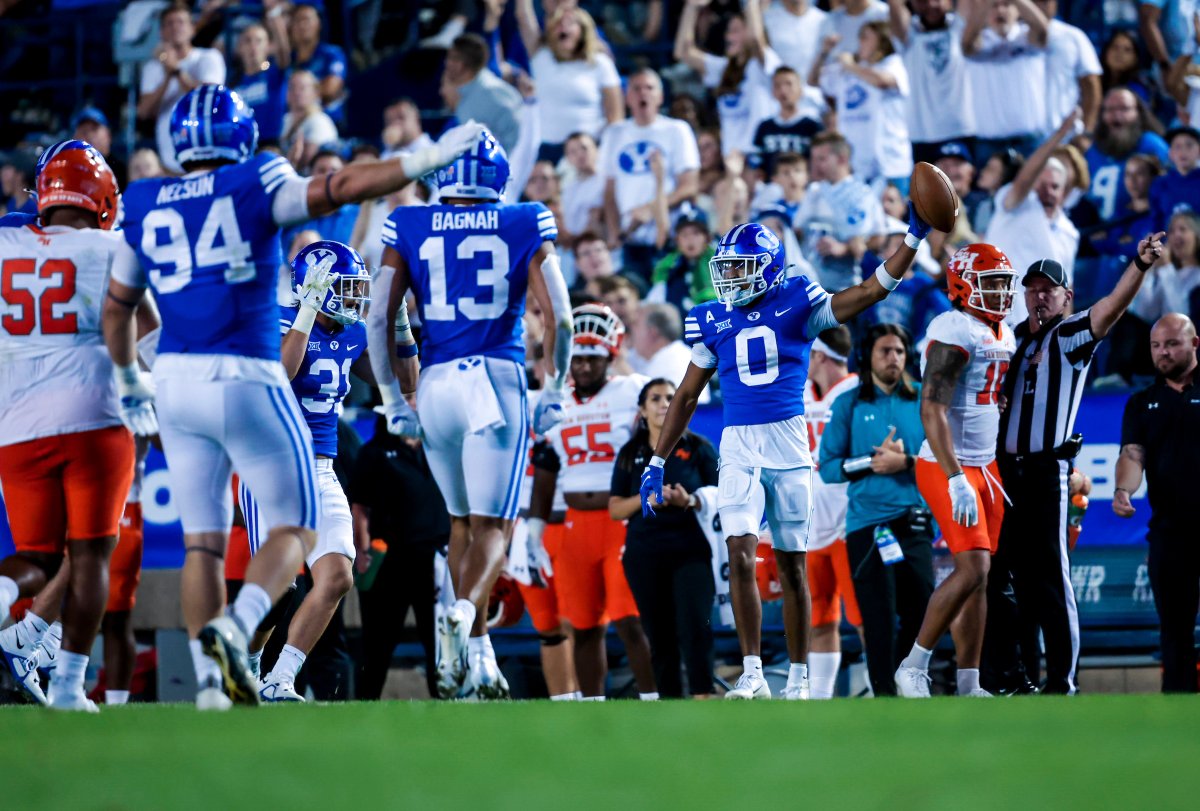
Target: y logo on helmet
[320, 259]
[767, 240]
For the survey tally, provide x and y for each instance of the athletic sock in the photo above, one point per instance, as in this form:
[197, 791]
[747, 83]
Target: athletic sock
[52, 640]
[823, 668]
[591, 698]
[648, 696]
[68, 676]
[114, 697]
[752, 664]
[207, 672]
[10, 592]
[476, 646]
[289, 663]
[255, 661]
[968, 680]
[488, 651]
[33, 626]
[251, 608]
[468, 609]
[798, 671]
[918, 657]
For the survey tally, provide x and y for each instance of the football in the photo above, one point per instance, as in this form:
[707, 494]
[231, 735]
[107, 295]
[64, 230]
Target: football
[934, 196]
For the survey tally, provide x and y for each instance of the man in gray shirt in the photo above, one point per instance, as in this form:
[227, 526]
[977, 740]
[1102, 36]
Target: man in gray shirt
[476, 93]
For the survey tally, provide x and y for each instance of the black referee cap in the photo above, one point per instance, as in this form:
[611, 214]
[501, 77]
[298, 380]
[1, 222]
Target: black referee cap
[1049, 269]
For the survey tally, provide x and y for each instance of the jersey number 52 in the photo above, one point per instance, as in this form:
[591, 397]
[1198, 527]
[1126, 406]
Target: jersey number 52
[32, 310]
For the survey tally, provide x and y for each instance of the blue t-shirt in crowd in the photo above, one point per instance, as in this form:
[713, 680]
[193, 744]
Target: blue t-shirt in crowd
[1173, 193]
[266, 93]
[1108, 173]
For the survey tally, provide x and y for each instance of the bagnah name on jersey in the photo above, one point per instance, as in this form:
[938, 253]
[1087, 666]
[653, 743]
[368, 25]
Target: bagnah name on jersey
[457, 220]
[184, 190]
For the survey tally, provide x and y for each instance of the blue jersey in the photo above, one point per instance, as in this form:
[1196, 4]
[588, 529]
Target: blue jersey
[1108, 173]
[210, 247]
[266, 93]
[1172, 193]
[17, 219]
[762, 349]
[323, 379]
[469, 267]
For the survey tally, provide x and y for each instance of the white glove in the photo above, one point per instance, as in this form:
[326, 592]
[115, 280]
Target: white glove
[317, 281]
[549, 410]
[453, 143]
[964, 505]
[539, 559]
[401, 419]
[135, 393]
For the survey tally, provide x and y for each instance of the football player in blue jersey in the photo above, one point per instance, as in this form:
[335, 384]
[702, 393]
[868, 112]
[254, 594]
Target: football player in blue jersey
[208, 243]
[469, 261]
[757, 335]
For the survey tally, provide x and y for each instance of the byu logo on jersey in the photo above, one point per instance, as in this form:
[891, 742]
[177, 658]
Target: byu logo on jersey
[635, 158]
[754, 316]
[856, 96]
[333, 344]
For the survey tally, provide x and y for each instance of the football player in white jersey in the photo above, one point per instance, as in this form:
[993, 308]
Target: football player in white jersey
[829, 583]
[962, 370]
[598, 420]
[65, 457]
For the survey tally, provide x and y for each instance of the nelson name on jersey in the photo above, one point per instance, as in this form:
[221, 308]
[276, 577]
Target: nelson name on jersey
[486, 219]
[187, 189]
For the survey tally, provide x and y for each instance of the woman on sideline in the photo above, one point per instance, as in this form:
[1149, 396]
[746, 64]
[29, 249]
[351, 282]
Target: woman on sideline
[741, 79]
[578, 85]
[669, 564]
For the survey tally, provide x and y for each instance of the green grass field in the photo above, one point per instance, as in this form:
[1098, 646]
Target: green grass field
[1128, 752]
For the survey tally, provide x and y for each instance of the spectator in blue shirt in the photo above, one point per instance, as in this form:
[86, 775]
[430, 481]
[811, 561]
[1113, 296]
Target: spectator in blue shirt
[1179, 189]
[870, 441]
[916, 302]
[261, 83]
[17, 170]
[326, 62]
[338, 226]
[1126, 127]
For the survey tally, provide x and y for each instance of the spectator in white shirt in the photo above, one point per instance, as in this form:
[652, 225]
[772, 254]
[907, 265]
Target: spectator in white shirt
[1072, 71]
[1029, 222]
[583, 196]
[930, 40]
[578, 86]
[794, 30]
[1169, 285]
[1005, 42]
[658, 348]
[839, 214]
[870, 89]
[175, 68]
[306, 126]
[741, 79]
[842, 25]
[630, 185]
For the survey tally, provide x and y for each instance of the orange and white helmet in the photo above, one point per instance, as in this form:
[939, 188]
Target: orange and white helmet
[598, 331]
[970, 266]
[79, 178]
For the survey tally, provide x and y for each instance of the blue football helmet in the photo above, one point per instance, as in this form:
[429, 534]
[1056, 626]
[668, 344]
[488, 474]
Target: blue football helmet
[480, 174]
[350, 294]
[212, 123]
[748, 262]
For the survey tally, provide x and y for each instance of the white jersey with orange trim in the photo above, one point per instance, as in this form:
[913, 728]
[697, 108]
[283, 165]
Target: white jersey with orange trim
[55, 373]
[829, 500]
[974, 413]
[593, 431]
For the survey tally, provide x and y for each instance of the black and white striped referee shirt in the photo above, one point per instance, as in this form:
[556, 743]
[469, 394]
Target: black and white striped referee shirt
[1045, 382]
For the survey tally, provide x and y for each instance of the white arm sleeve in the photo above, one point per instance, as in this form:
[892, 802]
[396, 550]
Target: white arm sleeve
[126, 268]
[703, 357]
[524, 153]
[290, 203]
[560, 303]
[377, 337]
[822, 318]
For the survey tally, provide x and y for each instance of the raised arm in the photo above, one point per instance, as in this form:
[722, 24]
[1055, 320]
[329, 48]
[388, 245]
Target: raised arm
[753, 12]
[875, 288]
[1108, 310]
[975, 14]
[1148, 19]
[899, 18]
[1027, 176]
[1039, 26]
[872, 76]
[528, 25]
[686, 50]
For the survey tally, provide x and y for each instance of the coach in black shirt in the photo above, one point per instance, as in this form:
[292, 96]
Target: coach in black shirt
[1160, 436]
[1042, 390]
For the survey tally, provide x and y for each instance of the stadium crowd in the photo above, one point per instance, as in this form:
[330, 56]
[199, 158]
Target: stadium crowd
[651, 128]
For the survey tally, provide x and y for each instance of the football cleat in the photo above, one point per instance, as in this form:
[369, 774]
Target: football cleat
[484, 681]
[979, 692]
[21, 660]
[453, 633]
[222, 641]
[912, 682]
[74, 701]
[276, 690]
[212, 699]
[750, 686]
[796, 692]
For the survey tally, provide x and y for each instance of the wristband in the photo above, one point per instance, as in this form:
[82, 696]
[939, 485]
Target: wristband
[128, 375]
[885, 279]
[390, 393]
[406, 350]
[304, 320]
[657, 461]
[1139, 264]
[912, 240]
[910, 461]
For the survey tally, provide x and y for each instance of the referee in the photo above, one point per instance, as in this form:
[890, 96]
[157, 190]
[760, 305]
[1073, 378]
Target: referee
[1042, 390]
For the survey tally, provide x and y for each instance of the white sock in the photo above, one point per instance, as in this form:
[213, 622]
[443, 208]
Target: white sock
[33, 626]
[255, 660]
[798, 672]
[468, 609]
[476, 646]
[9, 594]
[289, 663]
[647, 696]
[207, 672]
[68, 676]
[918, 657]
[251, 607]
[824, 673]
[488, 650]
[752, 664]
[968, 680]
[52, 640]
[565, 697]
[591, 698]
[114, 697]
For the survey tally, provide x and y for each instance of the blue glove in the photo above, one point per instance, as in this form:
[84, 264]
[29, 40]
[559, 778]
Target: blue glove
[917, 226]
[652, 485]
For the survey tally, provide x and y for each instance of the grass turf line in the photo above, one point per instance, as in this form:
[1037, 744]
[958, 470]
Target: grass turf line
[1038, 752]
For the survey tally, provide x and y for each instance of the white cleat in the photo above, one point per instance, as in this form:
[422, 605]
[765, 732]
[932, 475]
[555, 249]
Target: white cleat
[912, 682]
[21, 655]
[749, 687]
[979, 692]
[796, 692]
[484, 681]
[71, 702]
[453, 633]
[276, 690]
[212, 699]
